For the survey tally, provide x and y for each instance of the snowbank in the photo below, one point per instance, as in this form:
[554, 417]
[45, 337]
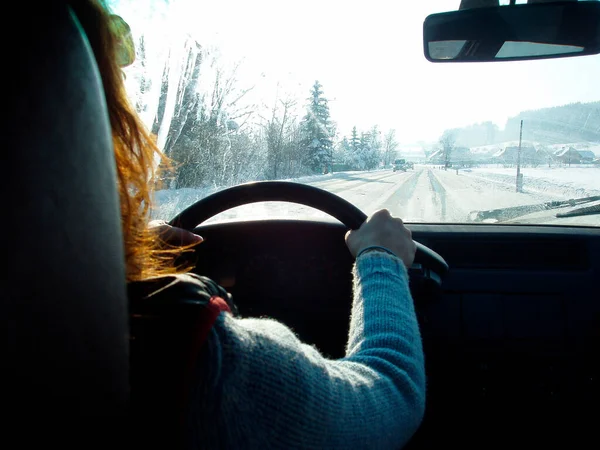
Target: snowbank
[170, 202]
[563, 182]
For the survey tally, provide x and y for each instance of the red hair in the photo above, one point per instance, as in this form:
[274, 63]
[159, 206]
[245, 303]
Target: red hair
[135, 151]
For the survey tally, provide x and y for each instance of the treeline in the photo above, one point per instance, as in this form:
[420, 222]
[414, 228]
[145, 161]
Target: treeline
[366, 150]
[215, 137]
[220, 144]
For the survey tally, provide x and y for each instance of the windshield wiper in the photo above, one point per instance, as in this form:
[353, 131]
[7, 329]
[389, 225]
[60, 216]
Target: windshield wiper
[503, 214]
[583, 211]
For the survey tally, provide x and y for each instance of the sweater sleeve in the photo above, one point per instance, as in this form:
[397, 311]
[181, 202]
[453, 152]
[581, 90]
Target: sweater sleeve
[263, 388]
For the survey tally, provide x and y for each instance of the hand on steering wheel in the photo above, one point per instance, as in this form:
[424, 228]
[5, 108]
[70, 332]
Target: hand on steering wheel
[174, 236]
[382, 230]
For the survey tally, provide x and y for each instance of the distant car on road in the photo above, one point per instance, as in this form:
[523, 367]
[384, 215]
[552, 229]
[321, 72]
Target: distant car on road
[401, 164]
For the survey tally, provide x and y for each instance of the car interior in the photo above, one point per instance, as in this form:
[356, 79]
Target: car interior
[509, 314]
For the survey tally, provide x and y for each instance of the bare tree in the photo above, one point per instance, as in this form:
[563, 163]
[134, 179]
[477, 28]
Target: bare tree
[277, 134]
[185, 92]
[447, 142]
[390, 146]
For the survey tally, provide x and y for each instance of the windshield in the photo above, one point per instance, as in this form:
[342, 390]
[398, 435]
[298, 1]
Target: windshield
[338, 95]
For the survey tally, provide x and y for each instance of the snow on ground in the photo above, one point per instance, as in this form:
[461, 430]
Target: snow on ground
[169, 202]
[465, 193]
[559, 182]
[366, 190]
[425, 194]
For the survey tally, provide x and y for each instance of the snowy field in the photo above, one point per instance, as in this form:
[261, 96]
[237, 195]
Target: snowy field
[424, 194]
[559, 181]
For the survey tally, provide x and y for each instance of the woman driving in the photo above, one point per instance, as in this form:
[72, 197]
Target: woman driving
[256, 385]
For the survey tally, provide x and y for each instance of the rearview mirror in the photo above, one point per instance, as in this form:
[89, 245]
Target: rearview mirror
[513, 32]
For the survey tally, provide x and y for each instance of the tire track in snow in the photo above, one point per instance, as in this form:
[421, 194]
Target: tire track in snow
[439, 197]
[364, 190]
[371, 192]
[449, 211]
[421, 199]
[397, 203]
[345, 182]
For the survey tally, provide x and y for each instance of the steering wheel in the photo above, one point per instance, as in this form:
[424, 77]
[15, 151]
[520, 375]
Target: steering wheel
[428, 264]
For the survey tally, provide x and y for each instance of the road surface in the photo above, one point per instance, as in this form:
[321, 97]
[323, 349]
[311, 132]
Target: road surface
[427, 194]
[424, 194]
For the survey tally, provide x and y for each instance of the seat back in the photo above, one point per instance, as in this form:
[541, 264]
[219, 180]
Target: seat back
[63, 309]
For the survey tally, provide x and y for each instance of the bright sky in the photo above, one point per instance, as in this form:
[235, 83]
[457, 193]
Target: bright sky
[368, 55]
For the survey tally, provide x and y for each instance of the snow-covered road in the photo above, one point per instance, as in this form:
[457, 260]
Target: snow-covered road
[424, 194]
[433, 195]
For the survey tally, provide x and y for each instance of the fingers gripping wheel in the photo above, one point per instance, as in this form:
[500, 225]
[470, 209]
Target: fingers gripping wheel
[429, 267]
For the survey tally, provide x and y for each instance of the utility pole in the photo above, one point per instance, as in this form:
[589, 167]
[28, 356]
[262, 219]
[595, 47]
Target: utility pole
[519, 174]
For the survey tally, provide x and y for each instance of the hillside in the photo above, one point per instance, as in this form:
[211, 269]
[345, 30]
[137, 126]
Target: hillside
[575, 122]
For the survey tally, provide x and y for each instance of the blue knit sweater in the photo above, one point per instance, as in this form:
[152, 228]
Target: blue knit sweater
[260, 387]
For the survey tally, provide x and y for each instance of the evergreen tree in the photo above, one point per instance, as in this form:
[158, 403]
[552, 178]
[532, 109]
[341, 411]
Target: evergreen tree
[354, 140]
[317, 131]
[374, 153]
[343, 153]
